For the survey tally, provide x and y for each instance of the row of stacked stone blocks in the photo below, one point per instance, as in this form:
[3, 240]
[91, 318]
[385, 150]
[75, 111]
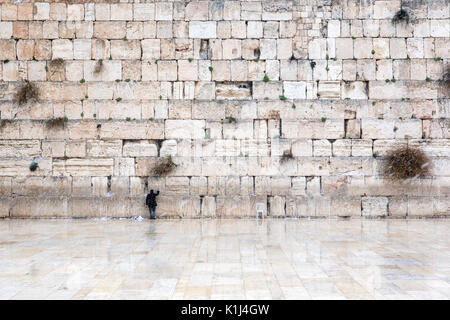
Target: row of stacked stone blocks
[293, 104]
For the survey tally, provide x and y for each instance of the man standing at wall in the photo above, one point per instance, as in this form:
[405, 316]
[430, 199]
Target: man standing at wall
[151, 203]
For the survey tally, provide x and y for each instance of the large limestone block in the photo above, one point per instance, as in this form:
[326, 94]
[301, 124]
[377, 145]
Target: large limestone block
[117, 110]
[5, 205]
[277, 204]
[385, 9]
[383, 186]
[177, 185]
[329, 90]
[254, 148]
[378, 129]
[345, 207]
[233, 91]
[125, 49]
[19, 167]
[432, 147]
[374, 206]
[172, 206]
[329, 129]
[277, 10]
[225, 148]
[105, 207]
[441, 206]
[185, 166]
[355, 90]
[295, 90]
[382, 147]
[83, 167]
[208, 207]
[267, 90]
[110, 30]
[124, 167]
[343, 185]
[62, 49]
[185, 129]
[5, 186]
[27, 186]
[420, 206]
[216, 166]
[19, 148]
[196, 11]
[238, 130]
[142, 148]
[308, 206]
[208, 110]
[233, 207]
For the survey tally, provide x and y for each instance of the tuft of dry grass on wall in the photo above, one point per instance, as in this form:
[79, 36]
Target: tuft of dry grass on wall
[406, 163]
[98, 66]
[55, 123]
[401, 16]
[27, 92]
[231, 119]
[287, 155]
[164, 167]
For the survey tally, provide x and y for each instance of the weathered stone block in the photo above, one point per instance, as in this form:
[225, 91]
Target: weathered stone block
[374, 206]
[202, 29]
[184, 129]
[83, 167]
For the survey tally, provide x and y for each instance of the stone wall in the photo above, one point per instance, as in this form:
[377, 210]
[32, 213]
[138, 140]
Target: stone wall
[225, 88]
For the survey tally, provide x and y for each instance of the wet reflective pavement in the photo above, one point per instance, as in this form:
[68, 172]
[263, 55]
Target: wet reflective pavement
[225, 259]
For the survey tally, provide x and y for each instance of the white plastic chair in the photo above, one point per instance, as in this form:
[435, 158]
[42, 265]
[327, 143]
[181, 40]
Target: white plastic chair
[260, 208]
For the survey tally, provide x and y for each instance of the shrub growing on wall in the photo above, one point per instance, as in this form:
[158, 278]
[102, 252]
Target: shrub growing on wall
[27, 92]
[406, 163]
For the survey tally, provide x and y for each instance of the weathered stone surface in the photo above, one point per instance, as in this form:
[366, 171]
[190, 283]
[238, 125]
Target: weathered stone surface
[83, 167]
[19, 148]
[374, 206]
[140, 148]
[229, 90]
[193, 129]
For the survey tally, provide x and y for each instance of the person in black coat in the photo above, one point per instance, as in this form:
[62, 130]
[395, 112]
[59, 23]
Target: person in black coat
[150, 201]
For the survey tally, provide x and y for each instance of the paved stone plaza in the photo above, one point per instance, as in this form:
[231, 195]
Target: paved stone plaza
[225, 259]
